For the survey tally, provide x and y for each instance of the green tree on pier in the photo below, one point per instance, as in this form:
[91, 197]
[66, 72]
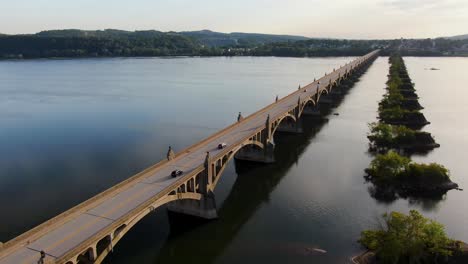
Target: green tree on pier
[408, 239]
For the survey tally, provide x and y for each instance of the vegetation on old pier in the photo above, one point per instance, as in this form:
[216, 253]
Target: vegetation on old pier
[383, 137]
[409, 238]
[400, 106]
[400, 116]
[394, 175]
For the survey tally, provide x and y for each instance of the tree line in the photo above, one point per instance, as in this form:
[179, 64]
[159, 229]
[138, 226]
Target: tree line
[118, 43]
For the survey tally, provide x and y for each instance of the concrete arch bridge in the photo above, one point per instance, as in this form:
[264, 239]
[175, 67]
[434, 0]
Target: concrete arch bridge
[87, 232]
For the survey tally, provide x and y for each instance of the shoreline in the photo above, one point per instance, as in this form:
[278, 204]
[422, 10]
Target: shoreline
[209, 56]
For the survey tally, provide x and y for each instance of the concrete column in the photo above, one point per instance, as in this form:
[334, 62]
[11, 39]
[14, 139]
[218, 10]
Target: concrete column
[325, 99]
[204, 208]
[336, 93]
[268, 128]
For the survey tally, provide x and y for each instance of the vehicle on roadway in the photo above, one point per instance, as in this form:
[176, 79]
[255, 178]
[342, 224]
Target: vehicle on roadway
[222, 145]
[176, 173]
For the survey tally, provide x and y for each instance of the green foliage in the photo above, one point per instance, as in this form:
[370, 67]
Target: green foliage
[79, 43]
[391, 100]
[427, 174]
[388, 167]
[112, 42]
[394, 170]
[394, 107]
[394, 113]
[408, 239]
[163, 44]
[390, 136]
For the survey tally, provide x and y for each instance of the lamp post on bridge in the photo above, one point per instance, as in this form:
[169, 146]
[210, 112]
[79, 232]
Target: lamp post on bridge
[170, 154]
[239, 117]
[41, 260]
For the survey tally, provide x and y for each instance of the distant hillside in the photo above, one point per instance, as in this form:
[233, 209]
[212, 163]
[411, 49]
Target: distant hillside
[101, 43]
[205, 37]
[108, 33]
[72, 43]
[459, 37]
[217, 39]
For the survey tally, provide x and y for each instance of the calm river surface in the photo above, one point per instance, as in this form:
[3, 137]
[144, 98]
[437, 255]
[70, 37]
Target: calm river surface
[72, 128]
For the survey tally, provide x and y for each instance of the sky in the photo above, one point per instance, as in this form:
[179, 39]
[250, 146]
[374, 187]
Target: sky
[355, 19]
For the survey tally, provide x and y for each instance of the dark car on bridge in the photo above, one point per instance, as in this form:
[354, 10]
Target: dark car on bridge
[222, 145]
[176, 173]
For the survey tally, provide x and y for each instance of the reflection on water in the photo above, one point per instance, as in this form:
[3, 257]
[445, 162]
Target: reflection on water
[71, 128]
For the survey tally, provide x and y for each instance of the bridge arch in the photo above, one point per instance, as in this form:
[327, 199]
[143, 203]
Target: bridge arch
[310, 102]
[228, 157]
[278, 122]
[88, 256]
[320, 92]
[105, 244]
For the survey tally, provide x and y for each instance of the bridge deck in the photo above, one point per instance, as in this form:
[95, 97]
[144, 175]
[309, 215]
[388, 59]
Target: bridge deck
[69, 230]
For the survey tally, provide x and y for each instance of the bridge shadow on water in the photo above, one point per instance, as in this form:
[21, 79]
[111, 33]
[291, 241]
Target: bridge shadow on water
[182, 238]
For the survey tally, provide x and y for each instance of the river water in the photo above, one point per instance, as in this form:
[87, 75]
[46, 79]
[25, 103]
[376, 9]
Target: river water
[72, 128]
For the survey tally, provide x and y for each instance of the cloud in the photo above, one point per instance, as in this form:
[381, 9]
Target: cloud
[409, 4]
[434, 5]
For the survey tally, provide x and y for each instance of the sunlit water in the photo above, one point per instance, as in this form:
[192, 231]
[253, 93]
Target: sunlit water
[72, 128]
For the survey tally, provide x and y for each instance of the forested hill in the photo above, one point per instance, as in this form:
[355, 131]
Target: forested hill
[111, 42]
[217, 39]
[77, 43]
[120, 43]
[205, 37]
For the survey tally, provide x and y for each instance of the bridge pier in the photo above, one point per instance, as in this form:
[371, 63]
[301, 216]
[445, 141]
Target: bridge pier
[336, 93]
[204, 208]
[325, 99]
[255, 154]
[326, 103]
[311, 111]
